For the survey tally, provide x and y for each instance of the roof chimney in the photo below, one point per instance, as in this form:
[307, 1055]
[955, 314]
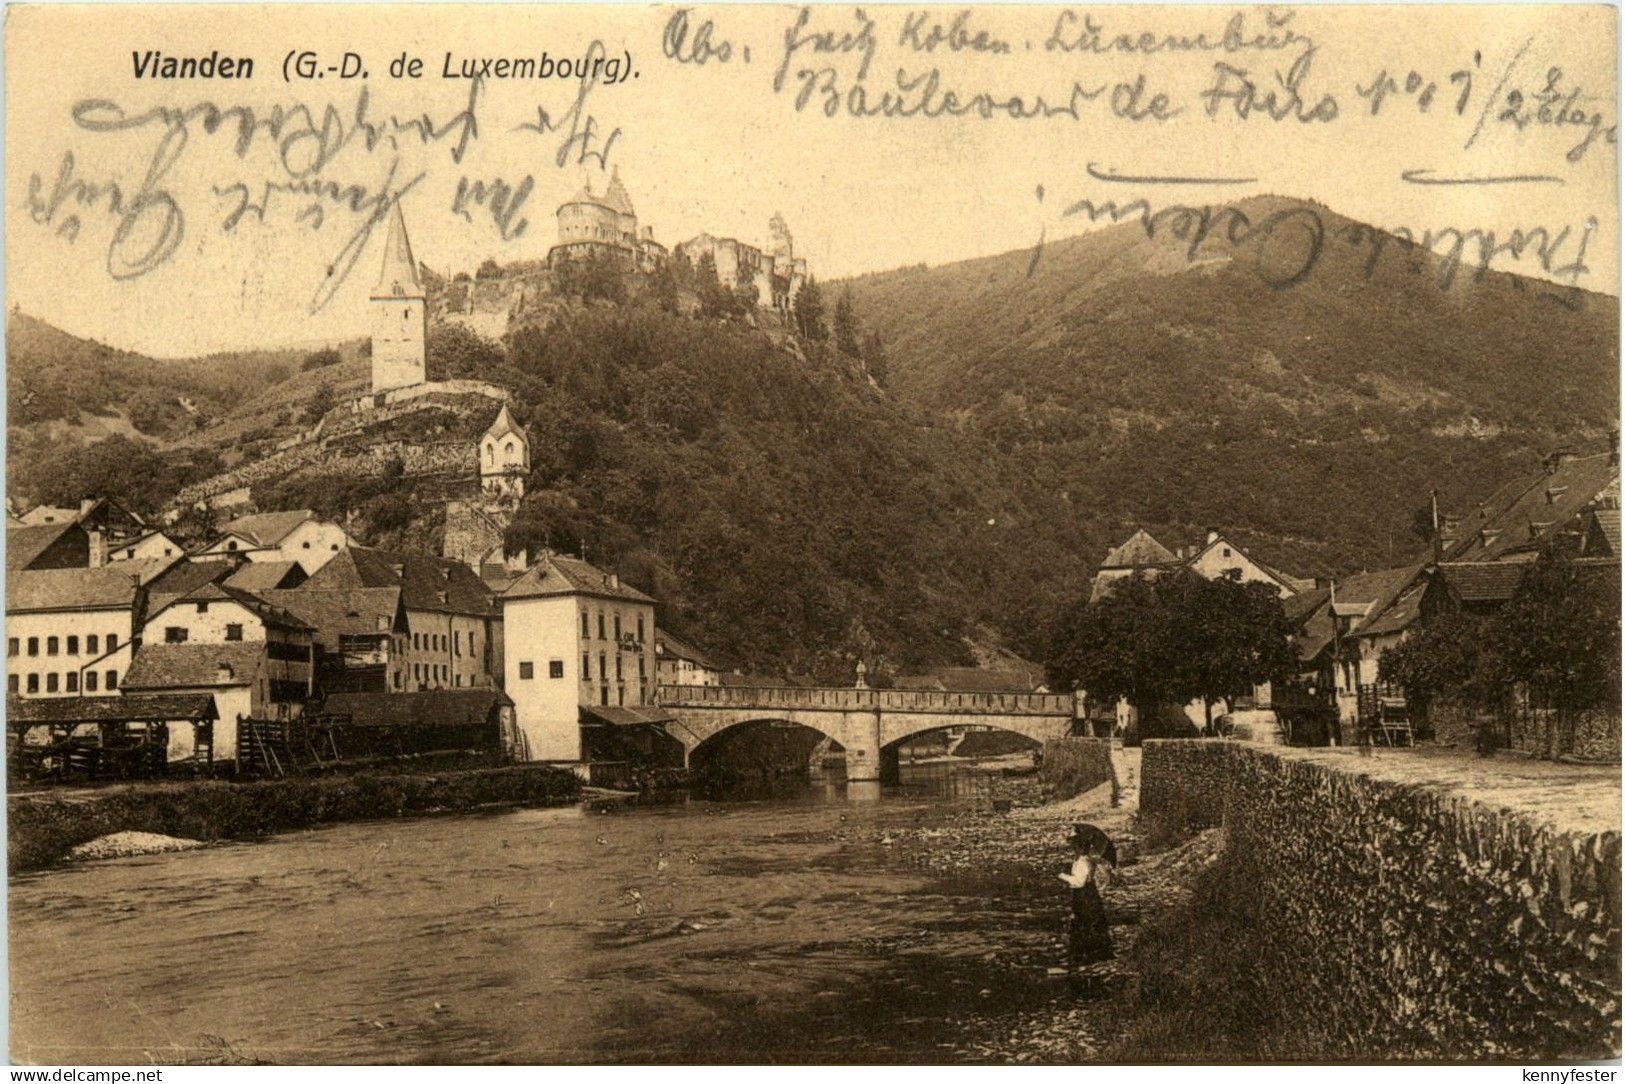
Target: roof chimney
[614, 579]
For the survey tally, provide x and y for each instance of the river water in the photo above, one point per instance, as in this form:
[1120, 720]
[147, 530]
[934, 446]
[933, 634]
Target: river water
[778, 928]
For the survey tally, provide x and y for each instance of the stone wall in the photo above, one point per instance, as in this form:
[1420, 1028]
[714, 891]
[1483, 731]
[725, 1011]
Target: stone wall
[1404, 918]
[1589, 735]
[1074, 765]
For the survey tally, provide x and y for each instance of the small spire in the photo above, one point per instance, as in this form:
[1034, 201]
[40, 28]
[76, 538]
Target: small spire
[398, 276]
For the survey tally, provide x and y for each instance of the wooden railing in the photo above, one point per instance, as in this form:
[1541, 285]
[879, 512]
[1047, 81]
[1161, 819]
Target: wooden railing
[836, 699]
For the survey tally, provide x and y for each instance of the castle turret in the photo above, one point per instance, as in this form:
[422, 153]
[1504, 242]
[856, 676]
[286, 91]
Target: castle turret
[399, 314]
[504, 458]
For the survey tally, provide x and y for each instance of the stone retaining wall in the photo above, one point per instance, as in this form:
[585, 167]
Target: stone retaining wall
[1590, 735]
[1074, 765]
[1406, 919]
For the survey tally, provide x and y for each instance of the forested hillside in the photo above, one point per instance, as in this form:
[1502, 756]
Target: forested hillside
[1144, 386]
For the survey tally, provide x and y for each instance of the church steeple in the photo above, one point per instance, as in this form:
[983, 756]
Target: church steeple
[400, 316]
[399, 275]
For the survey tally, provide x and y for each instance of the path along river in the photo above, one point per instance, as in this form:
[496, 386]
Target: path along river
[785, 929]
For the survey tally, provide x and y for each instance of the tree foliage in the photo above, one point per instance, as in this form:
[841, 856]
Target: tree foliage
[809, 311]
[1171, 639]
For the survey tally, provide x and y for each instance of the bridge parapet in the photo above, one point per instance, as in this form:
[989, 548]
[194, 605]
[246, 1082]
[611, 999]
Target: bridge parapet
[798, 698]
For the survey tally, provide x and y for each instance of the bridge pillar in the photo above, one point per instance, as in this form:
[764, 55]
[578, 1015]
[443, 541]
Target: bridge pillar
[891, 765]
[862, 743]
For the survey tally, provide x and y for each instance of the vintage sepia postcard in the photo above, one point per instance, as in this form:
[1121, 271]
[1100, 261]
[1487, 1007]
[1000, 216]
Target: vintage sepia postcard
[831, 534]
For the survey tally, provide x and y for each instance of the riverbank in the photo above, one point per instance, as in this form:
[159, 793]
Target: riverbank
[43, 827]
[1029, 844]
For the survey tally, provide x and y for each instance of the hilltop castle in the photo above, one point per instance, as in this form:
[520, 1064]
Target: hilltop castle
[607, 225]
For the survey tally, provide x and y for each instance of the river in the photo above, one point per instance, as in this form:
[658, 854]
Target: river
[781, 928]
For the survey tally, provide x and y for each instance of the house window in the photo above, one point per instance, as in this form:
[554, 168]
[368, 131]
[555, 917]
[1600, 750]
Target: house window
[11, 645]
[586, 668]
[33, 683]
[555, 669]
[11, 683]
[617, 626]
[73, 645]
[234, 632]
[306, 545]
[640, 629]
[50, 683]
[1226, 551]
[51, 645]
[397, 679]
[90, 681]
[526, 671]
[620, 695]
[112, 641]
[73, 681]
[112, 680]
[203, 607]
[232, 545]
[603, 695]
[457, 643]
[90, 644]
[586, 629]
[33, 645]
[174, 634]
[643, 671]
[603, 667]
[619, 676]
[600, 624]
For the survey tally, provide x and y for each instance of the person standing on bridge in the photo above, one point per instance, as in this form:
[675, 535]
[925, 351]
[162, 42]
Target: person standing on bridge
[1090, 941]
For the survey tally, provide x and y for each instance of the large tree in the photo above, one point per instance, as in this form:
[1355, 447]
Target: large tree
[809, 310]
[1171, 639]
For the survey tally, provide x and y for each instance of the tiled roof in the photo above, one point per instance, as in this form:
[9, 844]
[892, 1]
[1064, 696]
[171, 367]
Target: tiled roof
[126, 708]
[678, 648]
[1484, 581]
[1300, 606]
[351, 612]
[267, 612]
[556, 575]
[24, 545]
[621, 716]
[431, 707]
[187, 666]
[972, 679]
[106, 588]
[1522, 513]
[504, 424]
[266, 529]
[398, 274]
[426, 583]
[1374, 592]
[266, 576]
[1607, 520]
[183, 576]
[1139, 551]
[1395, 617]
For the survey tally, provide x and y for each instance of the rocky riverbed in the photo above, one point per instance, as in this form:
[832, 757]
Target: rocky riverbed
[1028, 840]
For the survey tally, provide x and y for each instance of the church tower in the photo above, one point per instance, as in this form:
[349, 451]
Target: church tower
[399, 314]
[504, 458]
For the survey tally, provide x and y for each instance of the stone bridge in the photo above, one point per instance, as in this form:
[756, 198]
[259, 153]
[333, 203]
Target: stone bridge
[868, 723]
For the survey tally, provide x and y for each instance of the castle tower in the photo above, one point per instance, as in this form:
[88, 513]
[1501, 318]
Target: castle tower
[399, 314]
[504, 458]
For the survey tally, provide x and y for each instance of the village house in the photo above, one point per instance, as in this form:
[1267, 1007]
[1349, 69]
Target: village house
[454, 631]
[297, 536]
[69, 630]
[678, 662]
[149, 545]
[581, 662]
[360, 636]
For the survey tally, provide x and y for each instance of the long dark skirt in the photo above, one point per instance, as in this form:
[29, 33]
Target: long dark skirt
[1091, 940]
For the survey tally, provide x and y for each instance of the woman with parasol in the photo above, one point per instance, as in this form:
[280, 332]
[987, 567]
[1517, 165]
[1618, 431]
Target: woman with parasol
[1094, 857]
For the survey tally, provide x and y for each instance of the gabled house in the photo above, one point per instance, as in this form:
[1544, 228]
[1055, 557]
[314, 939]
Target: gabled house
[1529, 512]
[580, 660]
[149, 545]
[279, 537]
[360, 635]
[454, 634]
[678, 662]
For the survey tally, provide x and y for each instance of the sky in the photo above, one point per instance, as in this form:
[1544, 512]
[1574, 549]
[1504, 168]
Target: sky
[149, 231]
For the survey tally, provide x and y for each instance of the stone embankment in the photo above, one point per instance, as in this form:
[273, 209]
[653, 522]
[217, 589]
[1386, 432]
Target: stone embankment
[1405, 905]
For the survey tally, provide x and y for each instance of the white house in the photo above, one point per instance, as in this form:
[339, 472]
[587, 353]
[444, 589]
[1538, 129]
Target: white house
[255, 658]
[280, 536]
[150, 545]
[68, 630]
[577, 641]
[678, 662]
[504, 458]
